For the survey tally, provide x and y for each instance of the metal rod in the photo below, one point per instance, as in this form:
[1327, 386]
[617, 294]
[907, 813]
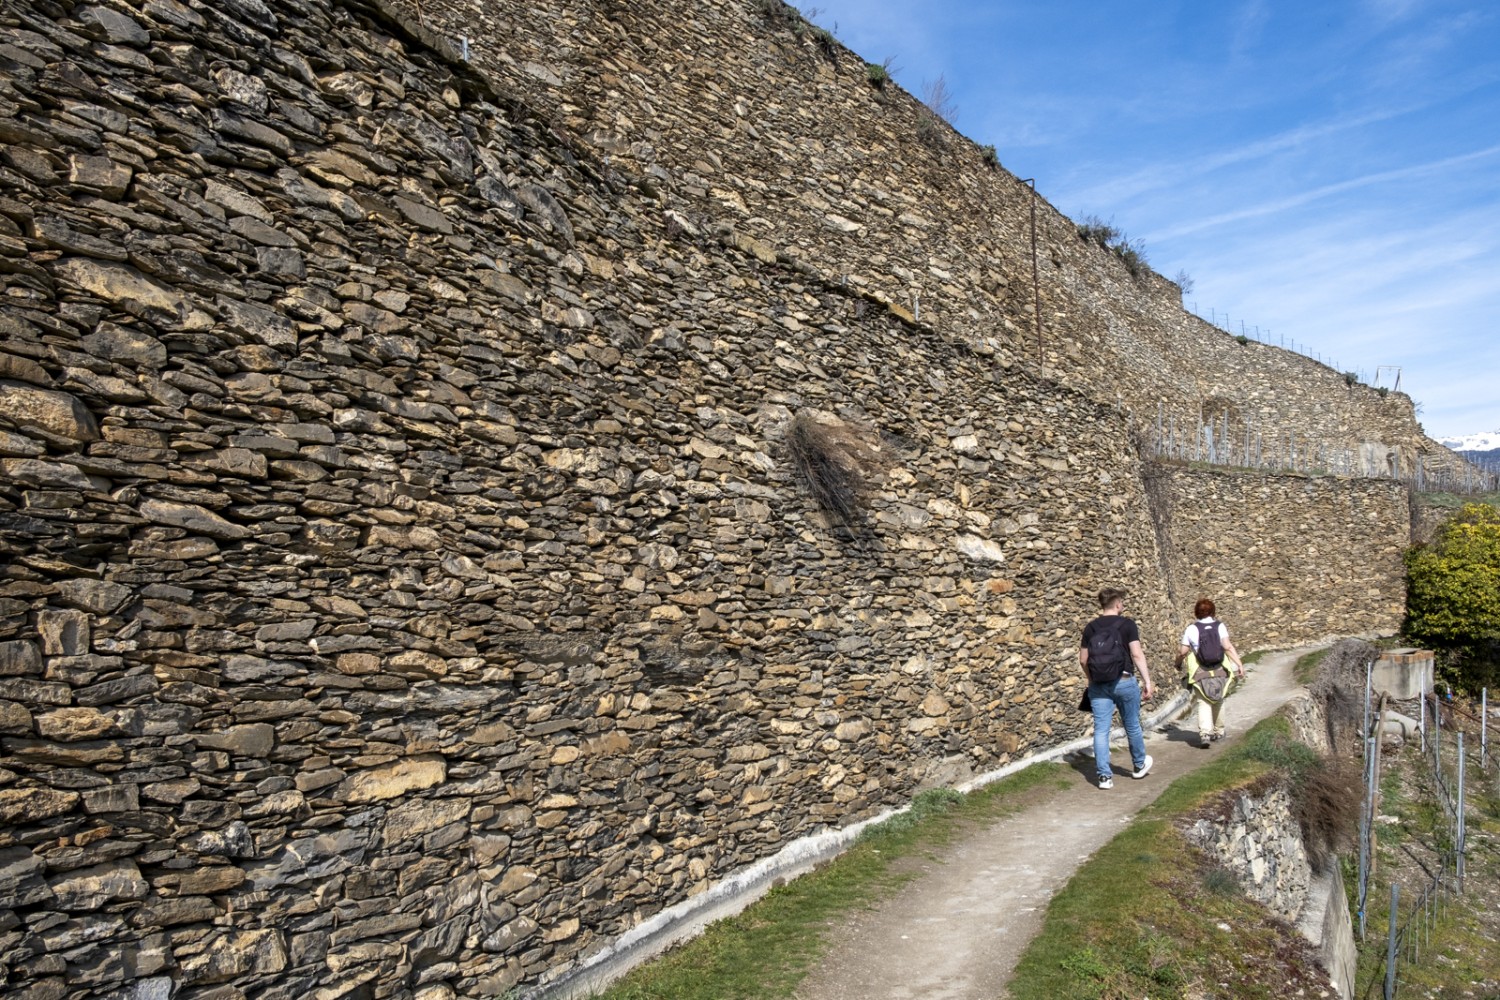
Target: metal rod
[1036, 281]
[1422, 720]
[1390, 944]
[1462, 832]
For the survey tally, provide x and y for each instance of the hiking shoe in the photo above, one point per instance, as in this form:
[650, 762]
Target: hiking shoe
[1205, 741]
[1105, 784]
[1219, 734]
[1144, 769]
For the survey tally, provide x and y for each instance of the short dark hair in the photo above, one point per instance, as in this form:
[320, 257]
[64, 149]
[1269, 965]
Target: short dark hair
[1204, 608]
[1110, 595]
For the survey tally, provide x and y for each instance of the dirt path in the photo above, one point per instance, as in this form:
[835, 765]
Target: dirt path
[957, 930]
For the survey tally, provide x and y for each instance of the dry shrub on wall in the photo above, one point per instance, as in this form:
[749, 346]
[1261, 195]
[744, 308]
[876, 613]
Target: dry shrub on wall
[1328, 802]
[834, 460]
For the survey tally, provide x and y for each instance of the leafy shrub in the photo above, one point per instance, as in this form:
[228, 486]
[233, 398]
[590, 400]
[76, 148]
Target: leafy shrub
[826, 43]
[929, 128]
[991, 157]
[1221, 881]
[1453, 593]
[1350, 378]
[878, 75]
[1132, 253]
[1095, 230]
[1241, 339]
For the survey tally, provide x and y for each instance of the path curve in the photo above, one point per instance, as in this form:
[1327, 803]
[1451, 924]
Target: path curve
[956, 931]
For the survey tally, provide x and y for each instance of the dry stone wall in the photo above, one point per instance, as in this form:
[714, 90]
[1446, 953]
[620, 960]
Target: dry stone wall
[1287, 557]
[743, 114]
[405, 583]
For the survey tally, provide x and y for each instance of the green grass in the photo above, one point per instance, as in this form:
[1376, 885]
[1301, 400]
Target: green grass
[1305, 670]
[1453, 501]
[765, 951]
[1142, 916]
[1459, 957]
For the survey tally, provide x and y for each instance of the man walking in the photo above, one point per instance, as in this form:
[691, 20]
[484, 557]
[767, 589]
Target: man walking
[1111, 656]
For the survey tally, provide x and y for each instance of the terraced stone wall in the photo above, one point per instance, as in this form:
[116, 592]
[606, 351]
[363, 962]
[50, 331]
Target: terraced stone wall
[744, 115]
[407, 585]
[1285, 558]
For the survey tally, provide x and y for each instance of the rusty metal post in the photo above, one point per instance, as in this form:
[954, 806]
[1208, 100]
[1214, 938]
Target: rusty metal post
[1036, 280]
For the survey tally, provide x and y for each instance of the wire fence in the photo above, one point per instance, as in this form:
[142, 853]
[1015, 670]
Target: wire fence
[1235, 440]
[1448, 762]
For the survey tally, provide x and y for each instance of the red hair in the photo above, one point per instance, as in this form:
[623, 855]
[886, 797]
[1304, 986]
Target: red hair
[1203, 609]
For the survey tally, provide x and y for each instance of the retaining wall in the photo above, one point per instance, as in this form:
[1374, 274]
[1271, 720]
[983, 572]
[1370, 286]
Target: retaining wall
[743, 115]
[407, 586]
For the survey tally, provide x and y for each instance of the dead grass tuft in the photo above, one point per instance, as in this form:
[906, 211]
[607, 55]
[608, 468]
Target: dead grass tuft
[834, 460]
[1328, 801]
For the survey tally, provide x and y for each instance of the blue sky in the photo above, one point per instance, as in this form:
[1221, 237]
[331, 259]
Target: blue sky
[1327, 171]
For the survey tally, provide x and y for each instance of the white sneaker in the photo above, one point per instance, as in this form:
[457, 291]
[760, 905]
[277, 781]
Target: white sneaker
[1105, 784]
[1144, 769]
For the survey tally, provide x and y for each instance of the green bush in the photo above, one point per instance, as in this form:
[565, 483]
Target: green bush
[1132, 253]
[1453, 593]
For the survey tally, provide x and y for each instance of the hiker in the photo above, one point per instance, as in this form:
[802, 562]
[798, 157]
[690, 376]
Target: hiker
[1111, 657]
[1205, 646]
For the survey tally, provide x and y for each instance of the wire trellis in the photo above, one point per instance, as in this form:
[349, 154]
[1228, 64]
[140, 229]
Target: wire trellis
[1220, 439]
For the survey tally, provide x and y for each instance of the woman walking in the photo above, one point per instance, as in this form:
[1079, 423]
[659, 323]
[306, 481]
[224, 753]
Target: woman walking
[1206, 645]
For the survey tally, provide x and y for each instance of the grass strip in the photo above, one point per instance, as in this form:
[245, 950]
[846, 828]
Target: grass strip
[1151, 915]
[765, 951]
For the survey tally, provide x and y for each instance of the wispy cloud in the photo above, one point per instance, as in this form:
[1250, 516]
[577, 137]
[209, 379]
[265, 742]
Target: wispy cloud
[1173, 173]
[1341, 187]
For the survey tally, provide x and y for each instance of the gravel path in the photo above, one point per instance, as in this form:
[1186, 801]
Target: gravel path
[956, 931]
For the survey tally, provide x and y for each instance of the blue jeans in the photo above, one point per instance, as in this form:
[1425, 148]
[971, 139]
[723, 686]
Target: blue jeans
[1124, 694]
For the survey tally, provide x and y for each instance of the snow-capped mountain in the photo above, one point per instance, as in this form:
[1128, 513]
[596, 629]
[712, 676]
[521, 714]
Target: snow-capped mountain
[1481, 449]
[1473, 442]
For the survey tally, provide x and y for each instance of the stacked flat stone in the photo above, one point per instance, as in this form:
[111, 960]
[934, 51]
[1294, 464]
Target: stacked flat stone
[406, 586]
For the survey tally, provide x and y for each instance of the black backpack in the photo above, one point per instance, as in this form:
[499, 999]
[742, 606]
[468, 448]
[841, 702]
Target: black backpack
[1107, 653]
[1210, 647]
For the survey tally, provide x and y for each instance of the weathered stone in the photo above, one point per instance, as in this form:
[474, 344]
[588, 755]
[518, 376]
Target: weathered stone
[113, 26]
[194, 518]
[235, 953]
[64, 633]
[417, 817]
[21, 877]
[121, 343]
[423, 216]
[112, 799]
[92, 888]
[129, 289]
[54, 475]
[15, 720]
[71, 725]
[101, 597]
[19, 658]
[57, 413]
[394, 780]
[254, 740]
[109, 178]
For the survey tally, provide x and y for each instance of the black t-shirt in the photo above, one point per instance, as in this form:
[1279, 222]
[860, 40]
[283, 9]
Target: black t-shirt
[1127, 630]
